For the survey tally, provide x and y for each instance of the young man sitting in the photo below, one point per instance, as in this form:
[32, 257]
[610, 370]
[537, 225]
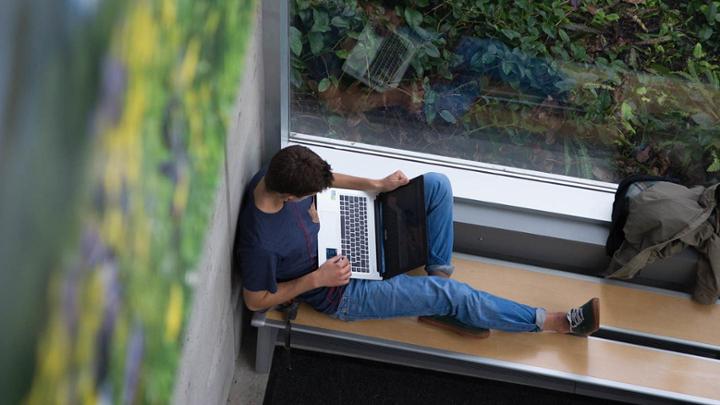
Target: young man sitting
[277, 250]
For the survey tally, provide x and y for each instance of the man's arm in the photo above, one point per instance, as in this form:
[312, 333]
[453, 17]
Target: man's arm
[258, 300]
[388, 183]
[334, 272]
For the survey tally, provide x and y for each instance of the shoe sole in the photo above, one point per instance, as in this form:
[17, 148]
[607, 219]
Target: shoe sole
[473, 333]
[596, 315]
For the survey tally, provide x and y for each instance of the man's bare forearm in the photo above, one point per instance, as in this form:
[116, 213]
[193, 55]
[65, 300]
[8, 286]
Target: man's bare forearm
[355, 183]
[286, 291]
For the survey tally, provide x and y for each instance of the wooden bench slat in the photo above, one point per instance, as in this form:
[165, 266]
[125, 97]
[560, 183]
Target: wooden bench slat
[622, 307]
[628, 364]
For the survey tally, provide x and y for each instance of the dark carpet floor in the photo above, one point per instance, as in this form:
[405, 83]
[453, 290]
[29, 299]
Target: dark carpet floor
[318, 378]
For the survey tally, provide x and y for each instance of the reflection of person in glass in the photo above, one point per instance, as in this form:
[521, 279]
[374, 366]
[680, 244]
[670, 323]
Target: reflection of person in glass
[277, 252]
[477, 67]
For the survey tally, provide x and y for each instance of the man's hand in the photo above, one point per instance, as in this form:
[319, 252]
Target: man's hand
[392, 181]
[334, 272]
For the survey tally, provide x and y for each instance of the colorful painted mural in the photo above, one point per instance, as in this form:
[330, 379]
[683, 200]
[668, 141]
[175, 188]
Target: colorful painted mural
[118, 298]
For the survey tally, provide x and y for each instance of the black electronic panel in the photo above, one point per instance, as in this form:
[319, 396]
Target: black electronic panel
[404, 231]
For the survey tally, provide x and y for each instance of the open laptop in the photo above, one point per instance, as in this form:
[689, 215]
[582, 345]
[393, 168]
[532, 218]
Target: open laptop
[382, 235]
[380, 61]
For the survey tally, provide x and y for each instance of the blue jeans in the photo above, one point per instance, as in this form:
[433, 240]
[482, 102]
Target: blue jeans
[405, 295]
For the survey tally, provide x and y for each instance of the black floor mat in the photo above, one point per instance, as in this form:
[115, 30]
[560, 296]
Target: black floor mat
[318, 378]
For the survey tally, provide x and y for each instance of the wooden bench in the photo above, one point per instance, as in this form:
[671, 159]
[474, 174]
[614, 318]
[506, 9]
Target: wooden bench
[597, 366]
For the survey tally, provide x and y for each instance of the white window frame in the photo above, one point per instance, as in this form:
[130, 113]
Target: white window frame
[499, 186]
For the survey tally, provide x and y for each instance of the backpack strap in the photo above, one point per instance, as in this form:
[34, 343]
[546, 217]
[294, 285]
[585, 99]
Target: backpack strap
[290, 310]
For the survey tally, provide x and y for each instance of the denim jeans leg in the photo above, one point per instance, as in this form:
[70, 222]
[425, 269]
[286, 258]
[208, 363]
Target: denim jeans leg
[405, 295]
[439, 210]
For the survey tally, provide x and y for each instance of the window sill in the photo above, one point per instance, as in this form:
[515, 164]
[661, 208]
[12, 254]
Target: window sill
[495, 189]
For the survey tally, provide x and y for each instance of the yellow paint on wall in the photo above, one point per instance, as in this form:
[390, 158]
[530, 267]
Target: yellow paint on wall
[173, 315]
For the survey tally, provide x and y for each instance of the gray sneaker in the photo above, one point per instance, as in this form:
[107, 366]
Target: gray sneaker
[585, 320]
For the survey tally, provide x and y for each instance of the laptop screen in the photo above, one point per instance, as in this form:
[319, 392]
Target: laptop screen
[404, 228]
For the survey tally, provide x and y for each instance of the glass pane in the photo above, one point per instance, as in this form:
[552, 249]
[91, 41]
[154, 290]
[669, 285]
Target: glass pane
[595, 89]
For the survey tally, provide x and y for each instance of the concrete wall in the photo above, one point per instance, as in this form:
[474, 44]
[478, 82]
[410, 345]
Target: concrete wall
[213, 334]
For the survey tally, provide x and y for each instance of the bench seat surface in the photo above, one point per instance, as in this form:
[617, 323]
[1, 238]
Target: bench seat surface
[621, 307]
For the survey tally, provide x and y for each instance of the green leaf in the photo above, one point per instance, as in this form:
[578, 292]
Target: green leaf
[324, 84]
[712, 13]
[340, 22]
[705, 33]
[691, 68]
[578, 51]
[417, 65]
[430, 116]
[296, 78]
[512, 34]
[302, 4]
[413, 17]
[432, 51]
[342, 54]
[488, 58]
[698, 51]
[715, 165]
[563, 35]
[424, 34]
[422, 3]
[295, 41]
[476, 60]
[626, 111]
[547, 29]
[316, 42]
[506, 67]
[447, 116]
[321, 21]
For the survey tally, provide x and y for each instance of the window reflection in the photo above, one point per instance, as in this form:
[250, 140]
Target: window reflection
[591, 89]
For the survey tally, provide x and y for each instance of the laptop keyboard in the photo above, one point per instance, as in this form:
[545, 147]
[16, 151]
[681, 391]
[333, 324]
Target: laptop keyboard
[387, 61]
[354, 233]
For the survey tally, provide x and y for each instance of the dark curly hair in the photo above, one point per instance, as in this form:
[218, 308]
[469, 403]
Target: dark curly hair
[298, 171]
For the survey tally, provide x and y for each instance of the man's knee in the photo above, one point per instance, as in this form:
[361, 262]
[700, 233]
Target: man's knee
[448, 287]
[437, 181]
[453, 294]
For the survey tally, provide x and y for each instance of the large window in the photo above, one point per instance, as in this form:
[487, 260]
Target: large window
[590, 89]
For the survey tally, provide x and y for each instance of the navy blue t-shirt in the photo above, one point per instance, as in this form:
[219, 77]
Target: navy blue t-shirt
[280, 247]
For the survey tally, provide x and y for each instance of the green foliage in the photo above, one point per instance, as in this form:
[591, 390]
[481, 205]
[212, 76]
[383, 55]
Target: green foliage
[639, 80]
[296, 41]
[715, 165]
